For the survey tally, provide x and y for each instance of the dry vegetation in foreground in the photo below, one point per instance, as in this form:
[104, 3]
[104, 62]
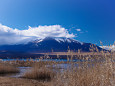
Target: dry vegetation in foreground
[7, 81]
[100, 75]
[6, 69]
[40, 74]
[96, 72]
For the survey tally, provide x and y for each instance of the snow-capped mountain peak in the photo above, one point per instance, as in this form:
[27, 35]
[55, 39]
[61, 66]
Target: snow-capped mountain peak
[63, 40]
[37, 41]
[58, 39]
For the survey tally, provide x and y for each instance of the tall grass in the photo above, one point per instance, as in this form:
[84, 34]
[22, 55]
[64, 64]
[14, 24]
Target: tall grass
[96, 69]
[98, 75]
[6, 69]
[40, 74]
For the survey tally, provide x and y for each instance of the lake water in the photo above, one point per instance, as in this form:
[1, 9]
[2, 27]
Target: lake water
[22, 71]
[57, 60]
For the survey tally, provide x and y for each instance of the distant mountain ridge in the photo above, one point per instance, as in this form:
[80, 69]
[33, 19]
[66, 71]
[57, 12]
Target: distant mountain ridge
[47, 44]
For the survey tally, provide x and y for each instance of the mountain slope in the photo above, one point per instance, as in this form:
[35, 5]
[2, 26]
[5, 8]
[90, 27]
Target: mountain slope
[45, 45]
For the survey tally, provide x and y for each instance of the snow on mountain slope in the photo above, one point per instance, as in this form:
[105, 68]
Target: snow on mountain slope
[37, 41]
[67, 40]
[109, 47]
[58, 39]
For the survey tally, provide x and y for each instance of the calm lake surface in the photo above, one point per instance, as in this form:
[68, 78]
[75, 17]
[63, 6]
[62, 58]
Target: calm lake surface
[58, 60]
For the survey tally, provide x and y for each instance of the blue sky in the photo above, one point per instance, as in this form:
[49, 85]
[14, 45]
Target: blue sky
[95, 18]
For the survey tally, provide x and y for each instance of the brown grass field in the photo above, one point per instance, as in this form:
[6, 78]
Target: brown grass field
[96, 69]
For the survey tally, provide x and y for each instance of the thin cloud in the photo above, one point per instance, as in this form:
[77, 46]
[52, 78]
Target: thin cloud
[78, 30]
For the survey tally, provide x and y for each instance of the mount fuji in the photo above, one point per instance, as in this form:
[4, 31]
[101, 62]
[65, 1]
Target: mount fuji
[45, 45]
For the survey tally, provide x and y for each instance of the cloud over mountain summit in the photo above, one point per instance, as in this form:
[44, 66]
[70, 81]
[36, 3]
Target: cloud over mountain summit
[14, 36]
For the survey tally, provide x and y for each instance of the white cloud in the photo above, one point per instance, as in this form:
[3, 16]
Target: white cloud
[13, 36]
[78, 30]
